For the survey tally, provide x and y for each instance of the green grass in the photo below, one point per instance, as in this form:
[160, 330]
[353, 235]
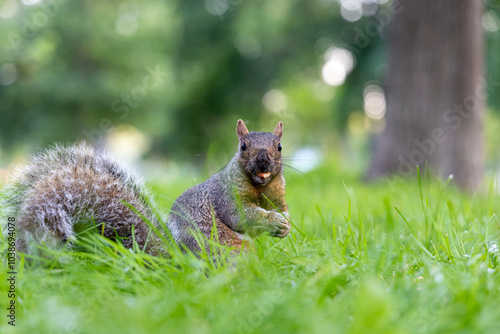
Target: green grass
[390, 257]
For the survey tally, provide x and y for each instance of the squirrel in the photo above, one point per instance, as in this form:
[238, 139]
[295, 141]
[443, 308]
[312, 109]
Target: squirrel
[64, 190]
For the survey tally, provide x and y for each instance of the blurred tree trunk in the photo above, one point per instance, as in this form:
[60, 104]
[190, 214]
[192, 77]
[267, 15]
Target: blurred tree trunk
[435, 92]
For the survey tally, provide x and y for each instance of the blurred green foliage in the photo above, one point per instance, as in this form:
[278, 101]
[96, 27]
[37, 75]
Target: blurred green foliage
[181, 73]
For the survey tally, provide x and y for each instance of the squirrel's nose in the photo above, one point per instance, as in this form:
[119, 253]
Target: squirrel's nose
[262, 160]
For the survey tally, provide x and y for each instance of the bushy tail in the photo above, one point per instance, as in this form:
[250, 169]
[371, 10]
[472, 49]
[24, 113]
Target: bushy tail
[62, 190]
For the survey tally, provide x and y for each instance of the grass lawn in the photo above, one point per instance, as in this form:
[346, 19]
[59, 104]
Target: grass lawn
[390, 257]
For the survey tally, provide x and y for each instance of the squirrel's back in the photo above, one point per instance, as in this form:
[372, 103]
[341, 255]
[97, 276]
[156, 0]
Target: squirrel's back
[64, 190]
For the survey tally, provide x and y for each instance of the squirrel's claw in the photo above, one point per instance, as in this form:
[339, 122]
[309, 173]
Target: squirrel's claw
[281, 228]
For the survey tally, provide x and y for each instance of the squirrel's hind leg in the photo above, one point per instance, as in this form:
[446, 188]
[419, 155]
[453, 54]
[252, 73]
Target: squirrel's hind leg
[231, 238]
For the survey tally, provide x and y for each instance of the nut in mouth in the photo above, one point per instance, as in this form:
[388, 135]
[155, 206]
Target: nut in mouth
[261, 178]
[264, 175]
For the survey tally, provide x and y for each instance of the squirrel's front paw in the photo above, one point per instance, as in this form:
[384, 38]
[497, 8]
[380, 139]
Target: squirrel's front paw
[280, 224]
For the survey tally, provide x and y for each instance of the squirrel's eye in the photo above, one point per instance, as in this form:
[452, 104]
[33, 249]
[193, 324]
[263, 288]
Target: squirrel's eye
[243, 146]
[279, 147]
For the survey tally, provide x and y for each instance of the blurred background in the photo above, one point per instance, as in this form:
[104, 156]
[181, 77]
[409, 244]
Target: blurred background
[162, 83]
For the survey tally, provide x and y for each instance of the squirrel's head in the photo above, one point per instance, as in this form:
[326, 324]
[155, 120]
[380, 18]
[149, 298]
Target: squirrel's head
[259, 153]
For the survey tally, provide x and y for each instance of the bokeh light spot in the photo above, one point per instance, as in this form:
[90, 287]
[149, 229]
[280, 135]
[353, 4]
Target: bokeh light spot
[8, 9]
[128, 143]
[341, 55]
[127, 22]
[374, 102]
[216, 7]
[275, 100]
[334, 72]
[31, 2]
[8, 74]
[249, 48]
[338, 63]
[490, 21]
[306, 159]
[356, 123]
[351, 10]
[370, 7]
[126, 25]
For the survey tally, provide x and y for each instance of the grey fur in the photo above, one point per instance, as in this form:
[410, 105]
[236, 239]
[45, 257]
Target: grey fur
[63, 187]
[235, 196]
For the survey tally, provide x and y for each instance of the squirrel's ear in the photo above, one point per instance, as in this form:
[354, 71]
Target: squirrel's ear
[278, 131]
[241, 129]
